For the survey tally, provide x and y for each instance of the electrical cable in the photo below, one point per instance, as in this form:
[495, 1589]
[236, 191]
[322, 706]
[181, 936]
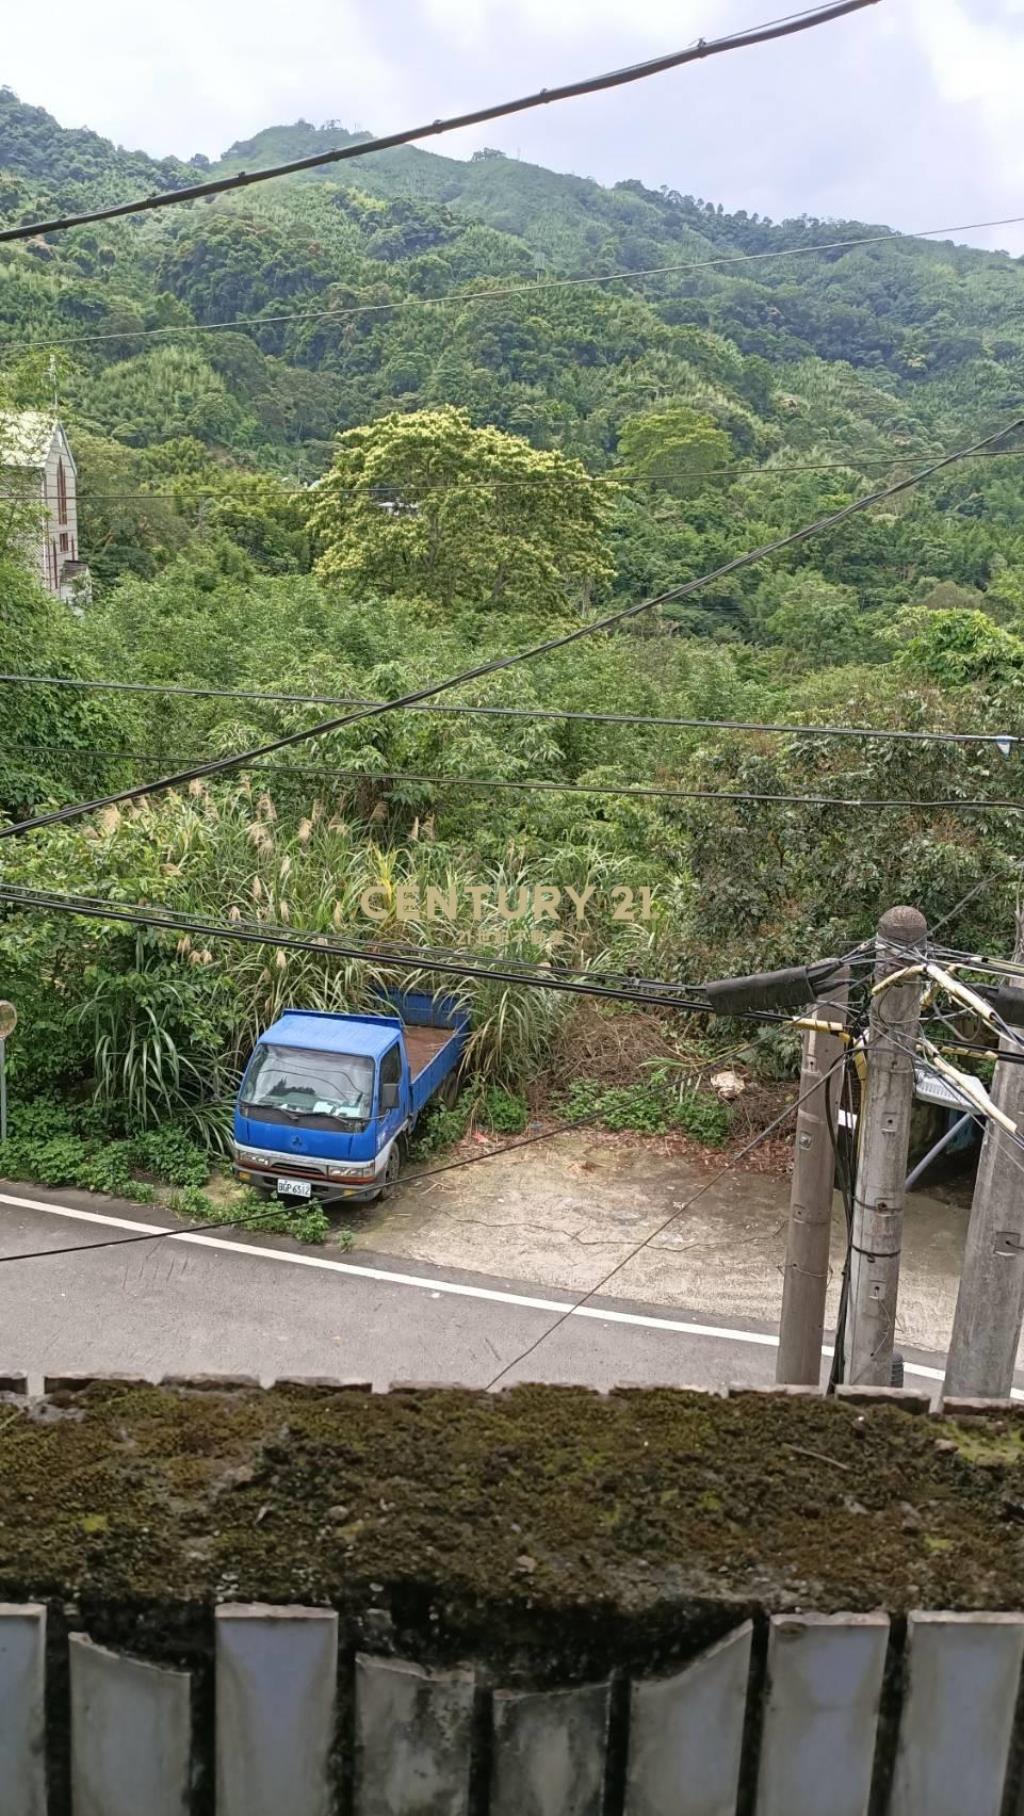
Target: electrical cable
[386, 951]
[253, 1222]
[626, 613]
[476, 117]
[715, 1179]
[655, 995]
[841, 1145]
[415, 493]
[174, 690]
[540, 785]
[983, 1121]
[501, 293]
[972, 894]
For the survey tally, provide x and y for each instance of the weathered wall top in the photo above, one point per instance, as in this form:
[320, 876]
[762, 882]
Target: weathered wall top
[597, 1525]
[546, 1602]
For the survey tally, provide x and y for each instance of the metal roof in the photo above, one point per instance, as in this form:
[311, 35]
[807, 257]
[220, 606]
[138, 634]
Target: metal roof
[369, 1036]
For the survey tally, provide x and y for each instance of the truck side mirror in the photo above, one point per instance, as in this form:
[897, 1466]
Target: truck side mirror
[389, 1097]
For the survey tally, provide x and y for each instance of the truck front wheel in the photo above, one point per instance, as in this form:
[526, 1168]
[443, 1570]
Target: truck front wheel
[390, 1176]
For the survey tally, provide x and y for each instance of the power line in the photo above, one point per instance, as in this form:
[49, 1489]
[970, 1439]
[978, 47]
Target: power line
[638, 1247]
[538, 784]
[646, 992]
[167, 920]
[173, 689]
[477, 117]
[257, 1224]
[971, 895]
[412, 494]
[501, 293]
[217, 766]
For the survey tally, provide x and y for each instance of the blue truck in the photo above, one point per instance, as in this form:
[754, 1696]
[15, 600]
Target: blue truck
[326, 1098]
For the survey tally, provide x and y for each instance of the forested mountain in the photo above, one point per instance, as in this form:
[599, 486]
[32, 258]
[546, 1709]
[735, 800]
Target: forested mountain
[551, 396]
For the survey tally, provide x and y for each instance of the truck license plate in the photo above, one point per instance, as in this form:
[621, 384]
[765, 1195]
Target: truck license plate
[295, 1188]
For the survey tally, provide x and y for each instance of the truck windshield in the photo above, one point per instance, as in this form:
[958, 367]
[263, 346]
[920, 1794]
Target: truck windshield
[296, 1084]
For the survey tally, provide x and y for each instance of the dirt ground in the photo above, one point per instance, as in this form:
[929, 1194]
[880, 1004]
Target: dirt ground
[564, 1213]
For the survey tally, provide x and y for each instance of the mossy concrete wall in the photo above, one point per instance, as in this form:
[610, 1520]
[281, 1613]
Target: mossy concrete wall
[540, 1603]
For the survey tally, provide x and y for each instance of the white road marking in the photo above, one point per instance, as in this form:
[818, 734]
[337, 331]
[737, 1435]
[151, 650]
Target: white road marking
[645, 1321]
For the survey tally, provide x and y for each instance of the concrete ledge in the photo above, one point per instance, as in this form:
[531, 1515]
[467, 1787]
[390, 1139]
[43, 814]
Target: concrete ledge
[211, 1383]
[13, 1384]
[960, 1406]
[321, 1384]
[429, 1387]
[905, 1398]
[620, 1388]
[779, 1391]
[72, 1384]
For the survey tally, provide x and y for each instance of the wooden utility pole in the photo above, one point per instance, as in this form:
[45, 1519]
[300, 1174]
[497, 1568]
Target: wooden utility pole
[990, 1303]
[805, 1275]
[884, 1148]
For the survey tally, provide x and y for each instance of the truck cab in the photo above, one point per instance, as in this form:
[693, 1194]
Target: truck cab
[325, 1098]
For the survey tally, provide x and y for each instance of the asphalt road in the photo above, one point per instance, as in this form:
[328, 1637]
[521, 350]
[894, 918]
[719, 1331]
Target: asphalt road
[268, 1307]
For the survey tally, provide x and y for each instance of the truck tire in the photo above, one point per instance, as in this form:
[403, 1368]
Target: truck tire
[390, 1176]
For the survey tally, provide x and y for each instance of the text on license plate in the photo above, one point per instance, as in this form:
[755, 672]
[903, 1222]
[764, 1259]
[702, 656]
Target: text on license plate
[295, 1188]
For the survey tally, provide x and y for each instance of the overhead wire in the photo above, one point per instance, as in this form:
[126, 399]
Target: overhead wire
[978, 1115]
[563, 640]
[970, 896]
[715, 1179]
[542, 785]
[252, 1220]
[502, 293]
[475, 117]
[177, 690]
[649, 993]
[411, 494]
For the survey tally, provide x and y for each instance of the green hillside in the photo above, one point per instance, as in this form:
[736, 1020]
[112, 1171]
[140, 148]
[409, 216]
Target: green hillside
[549, 435]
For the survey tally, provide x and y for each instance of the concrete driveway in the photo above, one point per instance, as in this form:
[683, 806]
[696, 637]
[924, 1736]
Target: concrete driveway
[567, 1211]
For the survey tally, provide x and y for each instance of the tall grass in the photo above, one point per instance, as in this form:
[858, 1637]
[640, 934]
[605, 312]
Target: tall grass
[164, 1024]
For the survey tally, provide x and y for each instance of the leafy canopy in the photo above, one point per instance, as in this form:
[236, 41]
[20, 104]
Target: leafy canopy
[428, 506]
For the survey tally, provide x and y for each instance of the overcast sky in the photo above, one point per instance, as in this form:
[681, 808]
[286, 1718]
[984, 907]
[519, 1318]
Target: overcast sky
[907, 113]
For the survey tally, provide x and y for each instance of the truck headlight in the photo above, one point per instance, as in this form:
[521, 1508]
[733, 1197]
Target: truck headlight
[352, 1172]
[250, 1157]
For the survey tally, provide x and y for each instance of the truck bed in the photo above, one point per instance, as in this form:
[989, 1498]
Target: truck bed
[433, 1054]
[423, 1045]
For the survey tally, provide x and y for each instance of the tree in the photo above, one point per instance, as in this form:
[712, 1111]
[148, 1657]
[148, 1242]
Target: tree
[677, 450]
[958, 649]
[818, 623]
[427, 505]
